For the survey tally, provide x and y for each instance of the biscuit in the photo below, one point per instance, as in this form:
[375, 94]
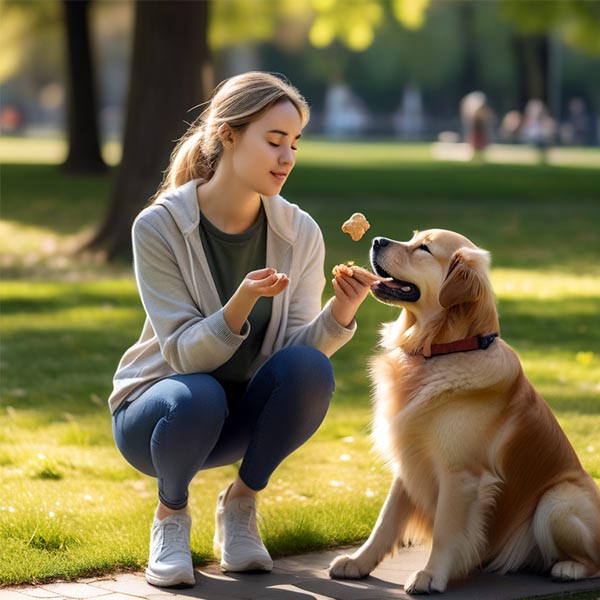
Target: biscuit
[343, 269]
[356, 226]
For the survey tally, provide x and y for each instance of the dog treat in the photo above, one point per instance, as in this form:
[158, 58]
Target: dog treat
[343, 269]
[356, 226]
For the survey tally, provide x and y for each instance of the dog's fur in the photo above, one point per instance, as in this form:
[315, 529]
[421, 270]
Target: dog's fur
[481, 466]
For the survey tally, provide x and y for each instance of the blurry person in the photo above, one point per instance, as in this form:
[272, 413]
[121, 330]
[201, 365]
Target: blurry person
[477, 120]
[538, 128]
[468, 105]
[233, 359]
[408, 119]
[510, 127]
[344, 114]
[480, 134]
[579, 124]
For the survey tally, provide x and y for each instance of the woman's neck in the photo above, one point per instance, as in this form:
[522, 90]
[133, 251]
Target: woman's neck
[228, 205]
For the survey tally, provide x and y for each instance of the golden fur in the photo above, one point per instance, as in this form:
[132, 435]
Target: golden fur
[481, 466]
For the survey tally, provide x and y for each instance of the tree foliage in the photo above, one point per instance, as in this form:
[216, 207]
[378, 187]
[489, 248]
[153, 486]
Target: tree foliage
[24, 28]
[353, 23]
[577, 22]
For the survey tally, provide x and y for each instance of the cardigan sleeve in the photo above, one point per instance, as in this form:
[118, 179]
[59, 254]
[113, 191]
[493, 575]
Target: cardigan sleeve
[190, 341]
[308, 323]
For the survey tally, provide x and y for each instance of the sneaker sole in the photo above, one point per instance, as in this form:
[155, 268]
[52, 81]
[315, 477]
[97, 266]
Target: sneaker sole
[180, 580]
[251, 565]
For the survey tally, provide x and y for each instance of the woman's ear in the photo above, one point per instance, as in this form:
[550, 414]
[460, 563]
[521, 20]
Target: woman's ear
[226, 135]
[467, 278]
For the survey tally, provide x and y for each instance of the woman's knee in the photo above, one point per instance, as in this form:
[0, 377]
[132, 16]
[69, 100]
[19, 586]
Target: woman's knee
[304, 377]
[306, 366]
[196, 402]
[304, 362]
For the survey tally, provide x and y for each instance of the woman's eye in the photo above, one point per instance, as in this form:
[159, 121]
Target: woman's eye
[274, 144]
[425, 247]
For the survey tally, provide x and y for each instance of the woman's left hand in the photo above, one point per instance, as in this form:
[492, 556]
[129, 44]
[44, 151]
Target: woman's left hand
[350, 291]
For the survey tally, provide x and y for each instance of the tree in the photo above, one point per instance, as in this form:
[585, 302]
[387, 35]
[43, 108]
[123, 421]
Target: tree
[84, 154]
[169, 63]
[576, 22]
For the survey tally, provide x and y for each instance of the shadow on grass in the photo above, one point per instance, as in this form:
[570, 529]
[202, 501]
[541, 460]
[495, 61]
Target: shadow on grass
[41, 196]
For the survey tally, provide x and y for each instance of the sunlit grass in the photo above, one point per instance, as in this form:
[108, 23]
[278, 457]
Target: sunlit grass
[70, 505]
[75, 492]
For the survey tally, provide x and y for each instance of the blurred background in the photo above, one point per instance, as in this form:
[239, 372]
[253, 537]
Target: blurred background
[116, 82]
[393, 68]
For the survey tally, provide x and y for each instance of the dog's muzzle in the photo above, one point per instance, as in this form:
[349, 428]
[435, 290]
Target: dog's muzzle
[392, 290]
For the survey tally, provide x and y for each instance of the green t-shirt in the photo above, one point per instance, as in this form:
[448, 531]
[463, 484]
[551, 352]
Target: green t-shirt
[230, 258]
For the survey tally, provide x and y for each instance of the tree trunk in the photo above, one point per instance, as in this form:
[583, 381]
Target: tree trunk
[170, 59]
[83, 139]
[469, 76]
[532, 56]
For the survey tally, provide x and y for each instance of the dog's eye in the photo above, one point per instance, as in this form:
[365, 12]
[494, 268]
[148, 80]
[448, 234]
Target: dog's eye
[425, 247]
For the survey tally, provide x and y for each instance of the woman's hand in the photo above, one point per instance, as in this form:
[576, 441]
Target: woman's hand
[264, 282]
[350, 293]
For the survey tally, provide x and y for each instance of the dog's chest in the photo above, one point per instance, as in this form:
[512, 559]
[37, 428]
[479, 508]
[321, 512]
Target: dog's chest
[446, 420]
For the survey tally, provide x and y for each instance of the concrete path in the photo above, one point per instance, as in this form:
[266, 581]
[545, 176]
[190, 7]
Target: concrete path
[302, 578]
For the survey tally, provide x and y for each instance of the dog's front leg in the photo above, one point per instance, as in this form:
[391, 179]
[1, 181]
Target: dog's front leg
[458, 531]
[390, 526]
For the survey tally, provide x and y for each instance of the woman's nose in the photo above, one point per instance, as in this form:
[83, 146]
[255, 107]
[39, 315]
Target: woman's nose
[287, 157]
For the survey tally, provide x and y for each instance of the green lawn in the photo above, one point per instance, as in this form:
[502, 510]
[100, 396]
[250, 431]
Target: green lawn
[69, 503]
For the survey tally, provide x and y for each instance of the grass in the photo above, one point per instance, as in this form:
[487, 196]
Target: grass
[69, 503]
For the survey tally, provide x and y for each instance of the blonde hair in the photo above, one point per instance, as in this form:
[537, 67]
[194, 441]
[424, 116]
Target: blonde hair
[237, 101]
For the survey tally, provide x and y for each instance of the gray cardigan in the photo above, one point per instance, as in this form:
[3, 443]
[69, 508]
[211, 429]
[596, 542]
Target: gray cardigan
[185, 331]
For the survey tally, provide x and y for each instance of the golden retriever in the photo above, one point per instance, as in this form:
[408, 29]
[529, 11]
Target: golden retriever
[481, 467]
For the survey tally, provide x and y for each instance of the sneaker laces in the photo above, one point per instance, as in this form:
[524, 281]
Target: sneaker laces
[173, 538]
[243, 524]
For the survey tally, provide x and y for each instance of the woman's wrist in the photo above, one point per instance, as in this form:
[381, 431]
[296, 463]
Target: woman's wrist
[238, 308]
[342, 313]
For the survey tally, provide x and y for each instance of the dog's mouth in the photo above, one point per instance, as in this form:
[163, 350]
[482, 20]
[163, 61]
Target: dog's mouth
[392, 289]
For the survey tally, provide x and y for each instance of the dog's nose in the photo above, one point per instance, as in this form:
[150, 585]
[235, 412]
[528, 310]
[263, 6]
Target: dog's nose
[380, 242]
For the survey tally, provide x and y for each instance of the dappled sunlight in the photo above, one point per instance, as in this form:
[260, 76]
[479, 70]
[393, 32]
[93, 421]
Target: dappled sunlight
[65, 326]
[47, 151]
[543, 284]
[41, 252]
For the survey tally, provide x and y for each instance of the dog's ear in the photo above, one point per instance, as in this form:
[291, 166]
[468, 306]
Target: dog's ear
[467, 277]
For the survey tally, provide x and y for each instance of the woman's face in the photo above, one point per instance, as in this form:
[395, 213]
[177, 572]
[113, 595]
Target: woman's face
[264, 153]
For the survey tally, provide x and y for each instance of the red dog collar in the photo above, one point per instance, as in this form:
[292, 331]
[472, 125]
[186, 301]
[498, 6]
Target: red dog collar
[480, 342]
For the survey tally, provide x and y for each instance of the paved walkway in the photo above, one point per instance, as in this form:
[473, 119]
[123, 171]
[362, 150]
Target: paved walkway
[302, 578]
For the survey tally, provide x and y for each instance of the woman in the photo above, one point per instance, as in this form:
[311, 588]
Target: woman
[232, 362]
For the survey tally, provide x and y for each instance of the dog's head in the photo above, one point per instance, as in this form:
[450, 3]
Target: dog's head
[441, 278]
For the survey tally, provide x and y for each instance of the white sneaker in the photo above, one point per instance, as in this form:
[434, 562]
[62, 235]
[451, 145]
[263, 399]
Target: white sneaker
[236, 539]
[170, 561]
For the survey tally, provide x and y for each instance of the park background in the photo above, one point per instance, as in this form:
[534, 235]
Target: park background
[93, 96]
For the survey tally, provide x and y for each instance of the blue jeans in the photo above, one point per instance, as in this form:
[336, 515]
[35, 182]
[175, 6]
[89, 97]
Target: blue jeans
[188, 423]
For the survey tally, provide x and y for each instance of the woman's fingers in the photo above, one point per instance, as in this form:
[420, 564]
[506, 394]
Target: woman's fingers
[271, 285]
[343, 284]
[261, 274]
[363, 276]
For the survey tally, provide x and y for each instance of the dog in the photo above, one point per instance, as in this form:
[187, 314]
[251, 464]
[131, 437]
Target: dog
[481, 467]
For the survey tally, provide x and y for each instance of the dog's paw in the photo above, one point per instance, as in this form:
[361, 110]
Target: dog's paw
[423, 582]
[568, 570]
[346, 567]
